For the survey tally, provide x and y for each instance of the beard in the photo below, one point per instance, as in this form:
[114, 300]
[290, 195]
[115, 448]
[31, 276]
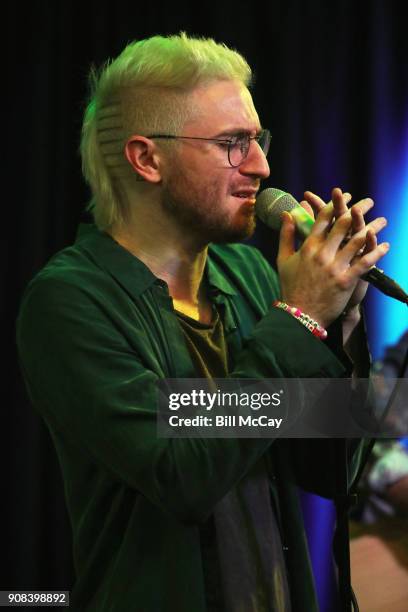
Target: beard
[197, 210]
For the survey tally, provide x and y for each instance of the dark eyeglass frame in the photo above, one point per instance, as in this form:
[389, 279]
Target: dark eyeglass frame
[243, 140]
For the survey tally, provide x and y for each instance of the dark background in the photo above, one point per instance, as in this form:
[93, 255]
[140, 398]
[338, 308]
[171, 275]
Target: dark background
[331, 84]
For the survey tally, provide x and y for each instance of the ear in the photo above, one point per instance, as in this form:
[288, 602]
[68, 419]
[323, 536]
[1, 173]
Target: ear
[142, 155]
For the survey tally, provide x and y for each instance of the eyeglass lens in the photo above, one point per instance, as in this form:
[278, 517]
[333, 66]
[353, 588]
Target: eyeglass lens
[239, 151]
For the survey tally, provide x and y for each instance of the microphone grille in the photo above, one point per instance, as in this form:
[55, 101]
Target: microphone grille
[270, 205]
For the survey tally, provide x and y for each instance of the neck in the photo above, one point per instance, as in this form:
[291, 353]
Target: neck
[168, 251]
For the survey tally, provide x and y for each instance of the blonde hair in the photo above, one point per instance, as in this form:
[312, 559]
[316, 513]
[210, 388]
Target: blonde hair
[144, 90]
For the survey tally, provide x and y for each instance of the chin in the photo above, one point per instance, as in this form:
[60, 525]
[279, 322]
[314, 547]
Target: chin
[234, 234]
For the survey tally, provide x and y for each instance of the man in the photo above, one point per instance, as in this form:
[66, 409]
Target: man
[174, 152]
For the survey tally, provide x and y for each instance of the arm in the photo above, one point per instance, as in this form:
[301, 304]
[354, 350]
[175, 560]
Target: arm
[93, 386]
[92, 374]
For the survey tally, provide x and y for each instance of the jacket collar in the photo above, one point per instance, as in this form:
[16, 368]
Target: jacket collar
[130, 271]
[215, 277]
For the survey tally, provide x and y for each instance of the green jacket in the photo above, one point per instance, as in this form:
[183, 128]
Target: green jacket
[96, 331]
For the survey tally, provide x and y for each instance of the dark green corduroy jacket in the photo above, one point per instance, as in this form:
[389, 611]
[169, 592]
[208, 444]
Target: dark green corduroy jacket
[96, 331]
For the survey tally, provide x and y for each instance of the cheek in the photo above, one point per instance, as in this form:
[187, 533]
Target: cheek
[211, 188]
[206, 188]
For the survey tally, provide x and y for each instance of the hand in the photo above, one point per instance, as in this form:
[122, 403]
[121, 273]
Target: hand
[314, 204]
[322, 278]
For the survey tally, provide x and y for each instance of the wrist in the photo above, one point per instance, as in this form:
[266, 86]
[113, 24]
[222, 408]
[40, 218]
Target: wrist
[306, 320]
[305, 305]
[350, 320]
[351, 315]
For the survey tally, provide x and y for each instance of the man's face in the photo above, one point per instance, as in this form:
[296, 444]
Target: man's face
[201, 190]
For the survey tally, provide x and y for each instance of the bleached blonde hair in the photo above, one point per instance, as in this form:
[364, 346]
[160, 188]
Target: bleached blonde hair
[143, 91]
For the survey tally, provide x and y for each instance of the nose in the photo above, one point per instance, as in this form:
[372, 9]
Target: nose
[255, 163]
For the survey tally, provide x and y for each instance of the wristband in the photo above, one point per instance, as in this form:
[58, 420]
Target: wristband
[310, 324]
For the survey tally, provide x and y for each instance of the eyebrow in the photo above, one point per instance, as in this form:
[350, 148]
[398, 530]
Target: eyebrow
[237, 132]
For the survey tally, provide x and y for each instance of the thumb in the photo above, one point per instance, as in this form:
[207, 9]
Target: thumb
[287, 237]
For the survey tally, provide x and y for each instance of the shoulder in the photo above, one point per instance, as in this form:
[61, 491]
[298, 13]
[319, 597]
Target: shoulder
[68, 271]
[95, 268]
[73, 288]
[61, 291]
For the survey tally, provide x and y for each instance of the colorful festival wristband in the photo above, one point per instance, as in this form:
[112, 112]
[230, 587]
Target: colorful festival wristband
[310, 324]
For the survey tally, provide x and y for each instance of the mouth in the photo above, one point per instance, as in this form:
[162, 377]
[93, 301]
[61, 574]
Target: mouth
[246, 195]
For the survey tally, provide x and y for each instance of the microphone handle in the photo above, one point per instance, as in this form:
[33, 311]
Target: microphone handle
[385, 284]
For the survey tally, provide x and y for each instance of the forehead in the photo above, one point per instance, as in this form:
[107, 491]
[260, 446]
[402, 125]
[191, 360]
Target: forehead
[223, 105]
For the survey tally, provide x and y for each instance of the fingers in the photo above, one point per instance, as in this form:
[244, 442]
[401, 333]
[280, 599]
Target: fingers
[340, 201]
[323, 221]
[325, 273]
[340, 242]
[307, 208]
[357, 220]
[286, 238]
[344, 226]
[363, 264]
[371, 241]
[366, 238]
[314, 201]
[317, 203]
[362, 206]
[333, 210]
[339, 207]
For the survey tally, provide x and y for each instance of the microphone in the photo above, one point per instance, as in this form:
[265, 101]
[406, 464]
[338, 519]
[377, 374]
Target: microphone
[269, 207]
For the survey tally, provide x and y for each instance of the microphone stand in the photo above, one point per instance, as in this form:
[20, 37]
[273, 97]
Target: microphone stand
[344, 501]
[341, 542]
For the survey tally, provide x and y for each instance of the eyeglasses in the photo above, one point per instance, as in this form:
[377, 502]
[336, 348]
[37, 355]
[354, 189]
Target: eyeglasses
[237, 146]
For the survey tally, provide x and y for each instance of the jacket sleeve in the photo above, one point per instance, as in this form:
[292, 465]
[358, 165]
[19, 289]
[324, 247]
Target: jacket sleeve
[91, 386]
